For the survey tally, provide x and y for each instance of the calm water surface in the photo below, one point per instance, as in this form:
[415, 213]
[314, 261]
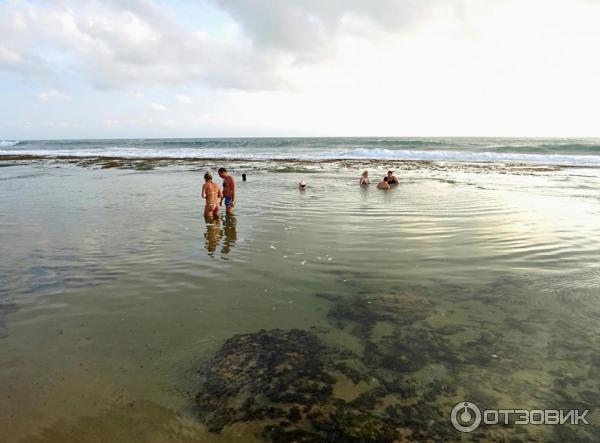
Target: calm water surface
[115, 291]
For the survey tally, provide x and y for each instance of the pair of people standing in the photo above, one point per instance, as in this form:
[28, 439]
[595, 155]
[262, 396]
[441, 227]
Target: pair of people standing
[215, 197]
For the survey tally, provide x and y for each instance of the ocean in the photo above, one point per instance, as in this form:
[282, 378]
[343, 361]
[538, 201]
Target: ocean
[340, 311]
[572, 152]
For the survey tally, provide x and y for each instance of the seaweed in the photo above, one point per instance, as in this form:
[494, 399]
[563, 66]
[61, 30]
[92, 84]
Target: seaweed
[402, 308]
[283, 379]
[409, 350]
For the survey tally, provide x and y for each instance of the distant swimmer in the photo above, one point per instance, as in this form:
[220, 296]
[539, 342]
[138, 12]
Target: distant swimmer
[384, 184]
[364, 178]
[302, 185]
[392, 179]
[212, 193]
[228, 191]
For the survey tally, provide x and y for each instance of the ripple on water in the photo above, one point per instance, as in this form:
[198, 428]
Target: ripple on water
[502, 258]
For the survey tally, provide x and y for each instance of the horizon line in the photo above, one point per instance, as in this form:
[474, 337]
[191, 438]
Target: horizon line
[306, 136]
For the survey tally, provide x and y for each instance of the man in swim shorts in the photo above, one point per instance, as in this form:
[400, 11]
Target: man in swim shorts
[212, 193]
[228, 191]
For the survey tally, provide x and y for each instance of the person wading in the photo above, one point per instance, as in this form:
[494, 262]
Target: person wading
[228, 191]
[212, 193]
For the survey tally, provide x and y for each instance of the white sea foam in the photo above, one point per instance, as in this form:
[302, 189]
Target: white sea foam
[5, 143]
[265, 154]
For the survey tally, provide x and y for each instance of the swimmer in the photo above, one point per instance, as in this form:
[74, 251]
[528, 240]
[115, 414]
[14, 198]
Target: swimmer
[302, 185]
[384, 184]
[364, 178]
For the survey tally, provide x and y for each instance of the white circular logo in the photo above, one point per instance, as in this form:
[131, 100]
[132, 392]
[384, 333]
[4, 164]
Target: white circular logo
[465, 416]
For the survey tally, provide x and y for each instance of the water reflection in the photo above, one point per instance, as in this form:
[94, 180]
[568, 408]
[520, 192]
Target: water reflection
[212, 235]
[225, 234]
[229, 233]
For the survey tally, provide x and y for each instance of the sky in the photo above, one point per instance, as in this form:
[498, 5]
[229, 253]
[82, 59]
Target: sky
[234, 68]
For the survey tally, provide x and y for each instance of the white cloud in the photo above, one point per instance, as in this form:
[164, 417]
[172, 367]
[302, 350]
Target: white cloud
[53, 94]
[113, 123]
[8, 57]
[184, 99]
[157, 107]
[115, 44]
[354, 67]
[308, 28]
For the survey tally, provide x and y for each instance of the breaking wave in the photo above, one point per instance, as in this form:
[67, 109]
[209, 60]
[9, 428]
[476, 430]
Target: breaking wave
[567, 152]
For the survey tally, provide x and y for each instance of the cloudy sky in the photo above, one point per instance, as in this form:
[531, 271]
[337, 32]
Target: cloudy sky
[205, 68]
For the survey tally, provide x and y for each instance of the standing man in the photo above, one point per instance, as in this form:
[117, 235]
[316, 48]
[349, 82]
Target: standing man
[228, 190]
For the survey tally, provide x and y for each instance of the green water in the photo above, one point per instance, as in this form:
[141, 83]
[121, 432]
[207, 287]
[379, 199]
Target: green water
[115, 291]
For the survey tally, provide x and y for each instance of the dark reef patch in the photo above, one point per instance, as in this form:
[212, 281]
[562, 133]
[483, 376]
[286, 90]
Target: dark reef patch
[409, 350]
[281, 164]
[284, 381]
[402, 308]
[412, 362]
[252, 372]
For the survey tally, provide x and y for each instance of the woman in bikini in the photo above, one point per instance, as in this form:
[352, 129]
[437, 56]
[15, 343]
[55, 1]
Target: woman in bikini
[364, 178]
[212, 193]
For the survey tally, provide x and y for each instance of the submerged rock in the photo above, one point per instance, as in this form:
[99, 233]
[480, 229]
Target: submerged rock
[252, 372]
[400, 309]
[281, 381]
[410, 350]
[350, 425]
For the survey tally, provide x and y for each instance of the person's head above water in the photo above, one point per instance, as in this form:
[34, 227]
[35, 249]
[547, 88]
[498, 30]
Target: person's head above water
[385, 179]
[365, 173]
[390, 173]
[222, 172]
[207, 176]
[302, 184]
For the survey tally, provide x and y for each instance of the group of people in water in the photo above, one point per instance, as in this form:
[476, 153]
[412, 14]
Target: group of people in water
[386, 183]
[215, 197]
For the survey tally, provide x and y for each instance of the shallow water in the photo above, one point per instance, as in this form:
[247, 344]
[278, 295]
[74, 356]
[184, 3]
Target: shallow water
[115, 291]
